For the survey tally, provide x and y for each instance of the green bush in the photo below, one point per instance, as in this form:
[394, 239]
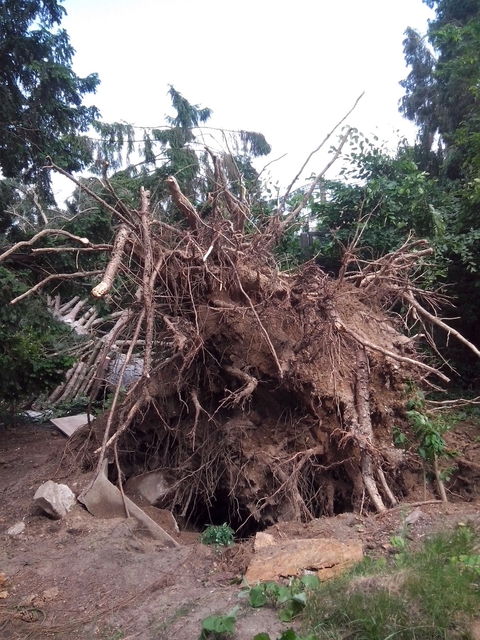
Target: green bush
[218, 535]
[29, 340]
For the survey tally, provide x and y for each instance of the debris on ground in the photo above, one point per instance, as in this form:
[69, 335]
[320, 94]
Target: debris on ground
[70, 424]
[16, 529]
[114, 580]
[104, 500]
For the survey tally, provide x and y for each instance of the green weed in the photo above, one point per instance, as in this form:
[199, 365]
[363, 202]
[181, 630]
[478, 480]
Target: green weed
[424, 595]
[111, 633]
[218, 535]
[289, 599]
[218, 627]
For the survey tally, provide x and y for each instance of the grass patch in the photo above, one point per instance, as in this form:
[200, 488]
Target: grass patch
[431, 594]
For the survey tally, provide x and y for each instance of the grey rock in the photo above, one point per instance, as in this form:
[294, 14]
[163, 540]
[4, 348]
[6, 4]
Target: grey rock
[413, 516]
[16, 529]
[55, 499]
[150, 486]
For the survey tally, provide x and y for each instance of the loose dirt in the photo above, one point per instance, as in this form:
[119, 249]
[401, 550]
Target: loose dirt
[82, 578]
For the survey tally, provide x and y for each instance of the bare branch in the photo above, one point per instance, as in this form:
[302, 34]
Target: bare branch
[183, 203]
[55, 276]
[95, 247]
[324, 141]
[293, 214]
[91, 193]
[42, 234]
[439, 323]
[147, 278]
[106, 283]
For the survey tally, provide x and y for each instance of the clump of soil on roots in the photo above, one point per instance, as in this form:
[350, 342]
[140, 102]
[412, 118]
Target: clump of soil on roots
[265, 395]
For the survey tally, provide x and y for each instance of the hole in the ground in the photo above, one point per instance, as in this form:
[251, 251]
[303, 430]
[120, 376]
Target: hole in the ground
[220, 511]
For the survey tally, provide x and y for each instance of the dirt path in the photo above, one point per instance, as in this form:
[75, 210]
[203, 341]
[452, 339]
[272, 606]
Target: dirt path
[83, 578]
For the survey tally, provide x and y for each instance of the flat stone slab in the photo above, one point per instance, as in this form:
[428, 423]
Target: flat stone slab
[104, 500]
[70, 424]
[326, 556]
[55, 499]
[149, 487]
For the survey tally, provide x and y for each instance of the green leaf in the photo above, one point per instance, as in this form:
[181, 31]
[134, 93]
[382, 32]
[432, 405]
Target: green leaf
[257, 596]
[301, 598]
[261, 636]
[289, 634]
[293, 608]
[310, 581]
[284, 594]
[221, 624]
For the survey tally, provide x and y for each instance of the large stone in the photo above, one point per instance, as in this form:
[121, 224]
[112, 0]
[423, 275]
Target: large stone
[149, 487]
[326, 556]
[263, 540]
[55, 499]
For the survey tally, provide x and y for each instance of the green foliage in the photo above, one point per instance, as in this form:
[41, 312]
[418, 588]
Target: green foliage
[400, 439]
[80, 404]
[290, 599]
[41, 110]
[383, 196]
[29, 336]
[399, 543]
[442, 98]
[217, 627]
[442, 87]
[429, 433]
[171, 150]
[424, 595]
[219, 535]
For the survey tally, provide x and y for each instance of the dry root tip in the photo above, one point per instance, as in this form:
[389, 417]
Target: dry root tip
[100, 290]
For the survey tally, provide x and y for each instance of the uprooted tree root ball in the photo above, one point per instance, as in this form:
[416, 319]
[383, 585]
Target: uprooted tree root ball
[264, 394]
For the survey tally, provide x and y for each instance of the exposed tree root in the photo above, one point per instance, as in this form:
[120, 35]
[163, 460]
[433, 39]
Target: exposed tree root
[264, 394]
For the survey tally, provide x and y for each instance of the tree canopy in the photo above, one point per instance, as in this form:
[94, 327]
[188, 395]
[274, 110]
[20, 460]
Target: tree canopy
[41, 98]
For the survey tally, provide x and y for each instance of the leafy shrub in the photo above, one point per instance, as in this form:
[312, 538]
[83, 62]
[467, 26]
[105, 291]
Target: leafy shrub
[290, 599]
[29, 341]
[218, 535]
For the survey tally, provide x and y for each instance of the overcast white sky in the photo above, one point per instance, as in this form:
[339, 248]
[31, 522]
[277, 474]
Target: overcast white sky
[289, 69]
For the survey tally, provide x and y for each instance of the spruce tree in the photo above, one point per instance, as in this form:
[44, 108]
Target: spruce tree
[41, 108]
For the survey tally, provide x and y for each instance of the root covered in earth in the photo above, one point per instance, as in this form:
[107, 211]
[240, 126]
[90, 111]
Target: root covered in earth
[265, 395]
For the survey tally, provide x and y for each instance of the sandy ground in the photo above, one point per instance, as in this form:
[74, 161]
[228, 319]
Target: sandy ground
[83, 578]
